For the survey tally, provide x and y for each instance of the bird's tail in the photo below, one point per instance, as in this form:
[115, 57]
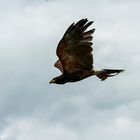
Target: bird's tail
[105, 73]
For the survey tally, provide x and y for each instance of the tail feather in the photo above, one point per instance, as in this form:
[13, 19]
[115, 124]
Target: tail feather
[105, 73]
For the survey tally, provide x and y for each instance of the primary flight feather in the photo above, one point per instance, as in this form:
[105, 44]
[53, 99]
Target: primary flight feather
[75, 55]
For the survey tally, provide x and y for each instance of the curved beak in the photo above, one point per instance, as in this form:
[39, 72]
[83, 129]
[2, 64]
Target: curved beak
[52, 81]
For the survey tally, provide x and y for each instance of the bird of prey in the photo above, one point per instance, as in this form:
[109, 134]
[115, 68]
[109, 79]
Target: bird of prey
[75, 55]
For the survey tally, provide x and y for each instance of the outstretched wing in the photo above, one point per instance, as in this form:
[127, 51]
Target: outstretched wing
[74, 49]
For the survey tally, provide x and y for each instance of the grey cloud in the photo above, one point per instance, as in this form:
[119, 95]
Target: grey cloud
[89, 109]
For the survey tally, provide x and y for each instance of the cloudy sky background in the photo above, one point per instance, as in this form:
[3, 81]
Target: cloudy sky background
[31, 109]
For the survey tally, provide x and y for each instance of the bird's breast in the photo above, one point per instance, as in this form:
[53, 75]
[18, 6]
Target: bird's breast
[79, 75]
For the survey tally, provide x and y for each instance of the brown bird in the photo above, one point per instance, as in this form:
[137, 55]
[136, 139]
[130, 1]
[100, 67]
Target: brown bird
[75, 55]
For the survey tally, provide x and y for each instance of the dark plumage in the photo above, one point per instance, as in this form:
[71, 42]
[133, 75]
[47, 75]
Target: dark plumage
[75, 57]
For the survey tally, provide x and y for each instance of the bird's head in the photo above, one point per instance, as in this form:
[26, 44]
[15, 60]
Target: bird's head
[53, 81]
[58, 80]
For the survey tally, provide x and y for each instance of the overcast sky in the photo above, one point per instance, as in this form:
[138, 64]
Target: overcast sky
[31, 109]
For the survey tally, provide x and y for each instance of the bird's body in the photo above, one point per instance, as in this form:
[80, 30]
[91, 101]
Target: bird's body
[73, 77]
[75, 55]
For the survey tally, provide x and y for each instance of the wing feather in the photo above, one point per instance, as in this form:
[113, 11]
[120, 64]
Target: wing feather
[74, 49]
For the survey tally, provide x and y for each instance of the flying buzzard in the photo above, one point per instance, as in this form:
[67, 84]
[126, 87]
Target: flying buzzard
[75, 57]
